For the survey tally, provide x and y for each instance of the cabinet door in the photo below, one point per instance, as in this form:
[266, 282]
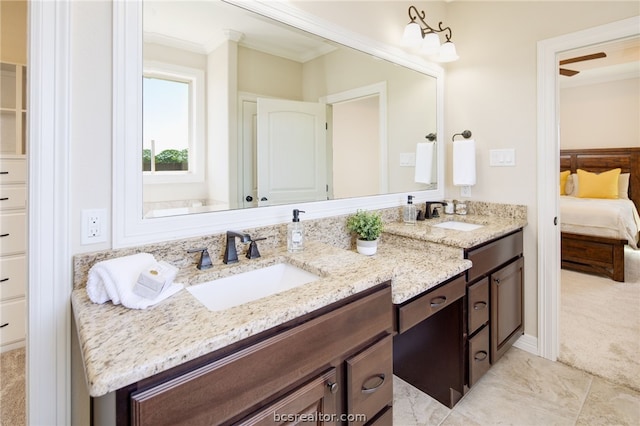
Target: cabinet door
[506, 307]
[313, 403]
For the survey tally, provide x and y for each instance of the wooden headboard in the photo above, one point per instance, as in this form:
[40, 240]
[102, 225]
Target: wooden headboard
[603, 159]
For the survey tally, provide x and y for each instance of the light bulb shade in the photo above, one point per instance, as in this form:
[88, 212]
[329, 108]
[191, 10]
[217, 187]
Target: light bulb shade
[412, 35]
[430, 44]
[448, 52]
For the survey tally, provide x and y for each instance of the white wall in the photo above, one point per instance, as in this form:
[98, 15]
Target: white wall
[492, 92]
[603, 115]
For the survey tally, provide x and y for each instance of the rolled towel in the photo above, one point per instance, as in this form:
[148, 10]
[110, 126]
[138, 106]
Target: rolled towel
[114, 280]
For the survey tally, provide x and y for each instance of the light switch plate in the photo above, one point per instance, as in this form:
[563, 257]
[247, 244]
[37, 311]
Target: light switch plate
[465, 191]
[407, 159]
[502, 157]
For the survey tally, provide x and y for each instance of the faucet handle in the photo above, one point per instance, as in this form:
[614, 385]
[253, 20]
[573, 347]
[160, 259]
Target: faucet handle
[205, 259]
[253, 252]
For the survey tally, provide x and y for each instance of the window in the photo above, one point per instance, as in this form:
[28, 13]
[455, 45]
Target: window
[173, 123]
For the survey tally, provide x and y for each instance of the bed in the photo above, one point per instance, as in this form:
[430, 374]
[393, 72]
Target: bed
[595, 247]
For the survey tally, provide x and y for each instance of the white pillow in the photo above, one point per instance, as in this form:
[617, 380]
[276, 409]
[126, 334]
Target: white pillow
[623, 186]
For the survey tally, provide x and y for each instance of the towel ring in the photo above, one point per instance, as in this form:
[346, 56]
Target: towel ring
[465, 134]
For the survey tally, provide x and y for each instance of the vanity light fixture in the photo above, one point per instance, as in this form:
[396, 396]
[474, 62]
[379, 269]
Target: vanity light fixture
[426, 38]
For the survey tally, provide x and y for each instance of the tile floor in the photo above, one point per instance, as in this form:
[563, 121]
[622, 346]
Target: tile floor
[523, 389]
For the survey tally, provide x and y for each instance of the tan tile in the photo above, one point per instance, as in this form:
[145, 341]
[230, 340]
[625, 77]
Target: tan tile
[524, 389]
[411, 407]
[610, 404]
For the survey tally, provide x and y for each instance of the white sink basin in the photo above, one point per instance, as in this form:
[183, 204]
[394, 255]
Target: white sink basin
[458, 226]
[224, 293]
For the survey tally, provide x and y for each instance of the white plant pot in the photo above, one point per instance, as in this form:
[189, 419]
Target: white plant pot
[367, 248]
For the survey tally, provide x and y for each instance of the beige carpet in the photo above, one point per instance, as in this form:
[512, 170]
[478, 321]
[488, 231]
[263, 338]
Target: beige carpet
[600, 323]
[12, 388]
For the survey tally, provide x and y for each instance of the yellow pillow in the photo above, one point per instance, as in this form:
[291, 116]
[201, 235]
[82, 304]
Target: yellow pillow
[563, 181]
[594, 185]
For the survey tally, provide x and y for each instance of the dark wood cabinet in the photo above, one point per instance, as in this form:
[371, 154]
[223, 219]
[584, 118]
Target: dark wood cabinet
[506, 307]
[429, 349]
[495, 286]
[326, 364]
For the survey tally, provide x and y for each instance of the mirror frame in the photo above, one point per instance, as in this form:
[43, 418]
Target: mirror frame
[130, 228]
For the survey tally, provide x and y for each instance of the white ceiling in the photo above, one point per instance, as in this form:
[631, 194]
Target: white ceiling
[622, 62]
[201, 26]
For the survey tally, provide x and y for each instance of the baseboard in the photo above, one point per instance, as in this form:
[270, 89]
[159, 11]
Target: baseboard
[12, 346]
[528, 343]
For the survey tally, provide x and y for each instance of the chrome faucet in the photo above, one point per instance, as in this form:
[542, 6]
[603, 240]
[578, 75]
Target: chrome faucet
[431, 213]
[230, 253]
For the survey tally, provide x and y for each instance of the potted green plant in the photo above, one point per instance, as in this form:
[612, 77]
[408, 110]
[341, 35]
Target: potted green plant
[368, 226]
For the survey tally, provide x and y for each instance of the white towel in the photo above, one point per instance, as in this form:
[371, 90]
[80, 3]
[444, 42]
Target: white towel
[464, 162]
[114, 279]
[424, 162]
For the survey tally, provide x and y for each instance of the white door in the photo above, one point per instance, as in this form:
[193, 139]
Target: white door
[291, 152]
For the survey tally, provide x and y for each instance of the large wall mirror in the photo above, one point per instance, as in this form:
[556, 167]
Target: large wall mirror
[225, 109]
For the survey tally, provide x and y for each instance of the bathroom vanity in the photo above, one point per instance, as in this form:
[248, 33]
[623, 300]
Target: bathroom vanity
[334, 361]
[449, 336]
[425, 303]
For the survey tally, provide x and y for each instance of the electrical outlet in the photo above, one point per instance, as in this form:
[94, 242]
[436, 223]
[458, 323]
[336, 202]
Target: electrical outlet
[465, 191]
[93, 227]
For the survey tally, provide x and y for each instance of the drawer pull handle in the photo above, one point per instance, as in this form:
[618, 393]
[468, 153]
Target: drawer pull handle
[480, 356]
[4, 235]
[4, 173]
[371, 389]
[333, 387]
[4, 325]
[438, 301]
[4, 198]
[4, 279]
[479, 305]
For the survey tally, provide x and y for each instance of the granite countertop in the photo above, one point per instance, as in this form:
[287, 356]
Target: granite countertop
[121, 346]
[492, 227]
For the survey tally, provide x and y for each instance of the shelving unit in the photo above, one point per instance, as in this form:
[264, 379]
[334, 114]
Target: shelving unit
[13, 195]
[13, 108]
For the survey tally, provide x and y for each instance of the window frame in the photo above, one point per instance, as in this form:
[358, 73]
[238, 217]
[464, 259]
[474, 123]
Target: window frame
[197, 153]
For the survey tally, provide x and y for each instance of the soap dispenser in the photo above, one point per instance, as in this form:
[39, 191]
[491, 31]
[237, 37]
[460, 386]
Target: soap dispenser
[295, 233]
[409, 213]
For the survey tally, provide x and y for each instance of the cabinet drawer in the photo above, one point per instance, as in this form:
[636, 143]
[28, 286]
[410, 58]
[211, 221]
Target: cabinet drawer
[478, 305]
[13, 170]
[424, 306]
[370, 379]
[478, 356]
[226, 388]
[493, 254]
[13, 197]
[12, 321]
[13, 234]
[13, 274]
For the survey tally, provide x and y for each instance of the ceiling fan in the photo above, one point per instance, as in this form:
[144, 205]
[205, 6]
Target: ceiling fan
[570, 73]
